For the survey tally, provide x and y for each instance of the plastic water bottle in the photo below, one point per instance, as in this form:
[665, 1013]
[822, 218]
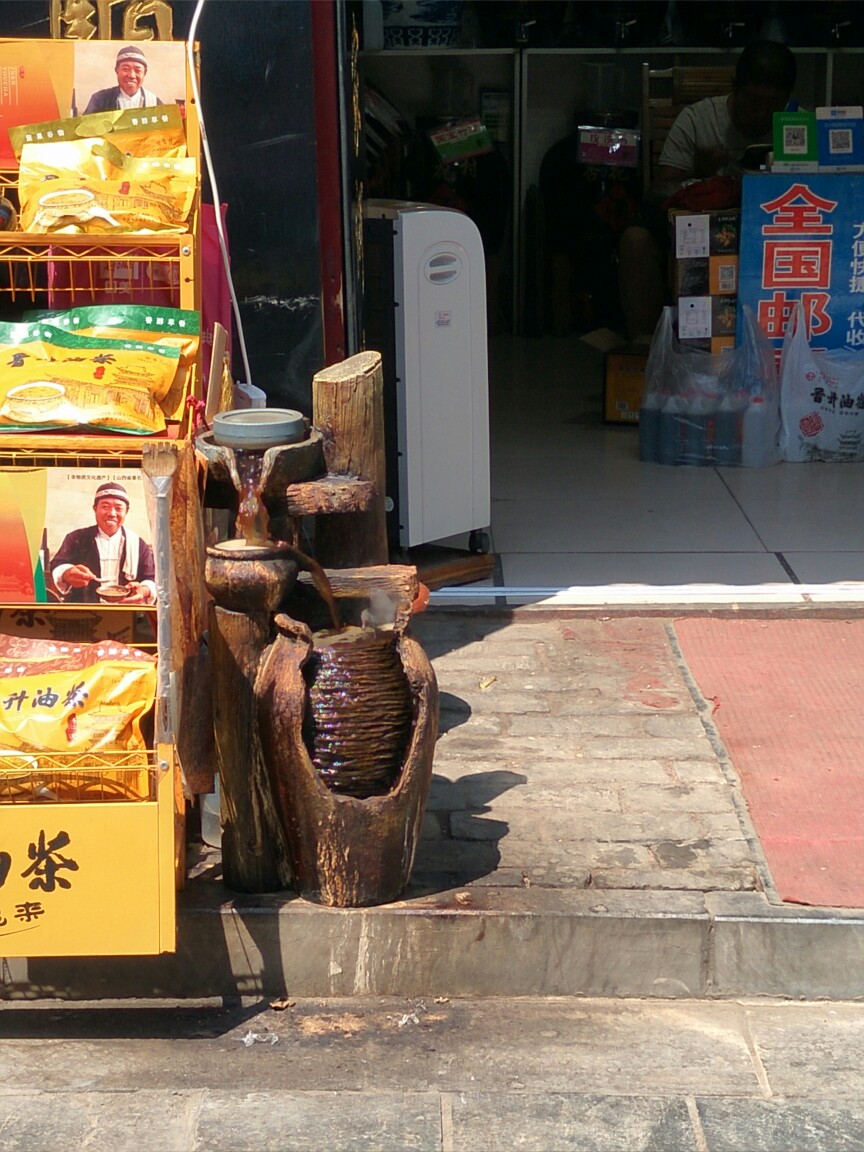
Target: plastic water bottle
[696, 422]
[758, 449]
[649, 427]
[727, 430]
[669, 440]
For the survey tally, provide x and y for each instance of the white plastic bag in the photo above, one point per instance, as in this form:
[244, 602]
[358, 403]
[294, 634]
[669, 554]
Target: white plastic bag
[821, 399]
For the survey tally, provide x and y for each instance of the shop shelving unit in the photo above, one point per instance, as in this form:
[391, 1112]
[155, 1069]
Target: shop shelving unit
[550, 85]
[91, 844]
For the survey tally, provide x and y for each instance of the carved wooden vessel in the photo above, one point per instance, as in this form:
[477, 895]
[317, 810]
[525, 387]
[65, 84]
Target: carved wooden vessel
[344, 851]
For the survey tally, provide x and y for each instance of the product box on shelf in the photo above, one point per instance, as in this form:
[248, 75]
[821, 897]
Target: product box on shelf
[616, 147]
[705, 277]
[700, 234]
[716, 345]
[623, 381]
[706, 317]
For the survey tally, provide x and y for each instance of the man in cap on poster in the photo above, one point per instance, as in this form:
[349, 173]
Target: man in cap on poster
[129, 91]
[106, 553]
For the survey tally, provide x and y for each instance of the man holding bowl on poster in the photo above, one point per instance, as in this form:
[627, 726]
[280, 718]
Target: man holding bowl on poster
[130, 67]
[105, 563]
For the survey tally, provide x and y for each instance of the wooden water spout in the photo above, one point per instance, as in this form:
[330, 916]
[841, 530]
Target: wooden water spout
[344, 851]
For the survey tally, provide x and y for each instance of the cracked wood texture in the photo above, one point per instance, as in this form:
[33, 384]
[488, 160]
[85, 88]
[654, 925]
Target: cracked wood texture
[345, 852]
[348, 409]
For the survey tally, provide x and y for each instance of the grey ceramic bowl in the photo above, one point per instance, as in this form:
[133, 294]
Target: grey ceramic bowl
[258, 428]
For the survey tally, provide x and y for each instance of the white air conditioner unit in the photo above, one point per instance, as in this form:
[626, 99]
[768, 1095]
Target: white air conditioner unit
[440, 375]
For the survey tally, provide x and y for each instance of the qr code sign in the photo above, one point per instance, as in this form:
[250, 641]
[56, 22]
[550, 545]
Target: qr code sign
[840, 141]
[727, 277]
[795, 139]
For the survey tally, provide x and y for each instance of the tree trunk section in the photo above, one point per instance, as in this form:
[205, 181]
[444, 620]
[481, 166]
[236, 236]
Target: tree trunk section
[348, 409]
[254, 855]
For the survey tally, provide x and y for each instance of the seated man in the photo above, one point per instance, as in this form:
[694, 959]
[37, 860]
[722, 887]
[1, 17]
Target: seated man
[707, 139]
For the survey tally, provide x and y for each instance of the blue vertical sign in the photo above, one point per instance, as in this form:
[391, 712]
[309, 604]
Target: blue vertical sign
[802, 238]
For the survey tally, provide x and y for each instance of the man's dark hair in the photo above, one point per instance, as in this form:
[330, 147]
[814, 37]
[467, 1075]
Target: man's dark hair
[766, 64]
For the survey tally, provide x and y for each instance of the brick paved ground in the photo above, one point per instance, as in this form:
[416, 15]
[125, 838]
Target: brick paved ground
[573, 753]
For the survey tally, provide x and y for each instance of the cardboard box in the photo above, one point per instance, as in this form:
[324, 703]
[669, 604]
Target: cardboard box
[623, 382]
[840, 138]
[706, 276]
[700, 234]
[716, 345]
[706, 317]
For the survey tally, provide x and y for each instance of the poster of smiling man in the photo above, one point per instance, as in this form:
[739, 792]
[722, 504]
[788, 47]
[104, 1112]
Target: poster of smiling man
[75, 536]
[111, 76]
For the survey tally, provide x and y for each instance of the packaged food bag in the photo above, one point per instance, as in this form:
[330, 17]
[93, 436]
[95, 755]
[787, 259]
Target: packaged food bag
[172, 327]
[137, 131]
[60, 697]
[50, 378]
[89, 185]
[821, 399]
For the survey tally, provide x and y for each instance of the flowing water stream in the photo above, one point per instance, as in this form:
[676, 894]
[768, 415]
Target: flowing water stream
[253, 524]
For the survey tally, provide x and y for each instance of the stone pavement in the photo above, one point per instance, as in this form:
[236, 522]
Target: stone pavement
[573, 755]
[585, 835]
[436, 1075]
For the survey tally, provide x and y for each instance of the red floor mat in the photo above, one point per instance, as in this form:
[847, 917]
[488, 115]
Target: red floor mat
[789, 704]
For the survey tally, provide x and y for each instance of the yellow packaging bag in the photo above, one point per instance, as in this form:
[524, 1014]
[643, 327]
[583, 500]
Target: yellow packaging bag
[60, 698]
[82, 186]
[136, 131]
[50, 378]
[172, 327]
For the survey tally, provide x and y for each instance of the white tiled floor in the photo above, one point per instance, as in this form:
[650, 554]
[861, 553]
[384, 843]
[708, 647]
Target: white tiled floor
[576, 516]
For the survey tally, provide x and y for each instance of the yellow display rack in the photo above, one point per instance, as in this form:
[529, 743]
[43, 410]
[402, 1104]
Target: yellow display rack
[88, 854]
[92, 845]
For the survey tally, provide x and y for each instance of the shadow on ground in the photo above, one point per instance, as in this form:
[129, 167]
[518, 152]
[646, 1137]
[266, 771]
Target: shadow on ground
[460, 844]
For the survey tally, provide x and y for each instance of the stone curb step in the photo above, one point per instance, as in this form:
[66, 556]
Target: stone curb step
[477, 943]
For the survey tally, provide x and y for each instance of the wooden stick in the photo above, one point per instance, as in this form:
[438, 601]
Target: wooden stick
[159, 463]
[214, 381]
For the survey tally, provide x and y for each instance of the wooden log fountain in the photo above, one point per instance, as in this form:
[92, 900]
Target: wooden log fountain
[284, 816]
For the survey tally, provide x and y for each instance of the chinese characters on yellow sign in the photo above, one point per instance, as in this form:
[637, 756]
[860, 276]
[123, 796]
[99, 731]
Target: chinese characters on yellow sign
[87, 878]
[43, 874]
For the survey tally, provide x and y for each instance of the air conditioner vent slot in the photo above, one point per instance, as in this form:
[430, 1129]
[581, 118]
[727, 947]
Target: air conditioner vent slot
[443, 268]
